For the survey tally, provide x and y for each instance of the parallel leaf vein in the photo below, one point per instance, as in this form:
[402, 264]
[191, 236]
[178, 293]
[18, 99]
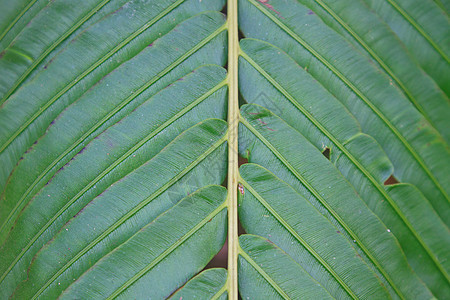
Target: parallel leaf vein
[20, 15]
[128, 215]
[418, 28]
[51, 48]
[298, 238]
[102, 175]
[375, 56]
[344, 150]
[87, 72]
[317, 195]
[107, 117]
[166, 253]
[264, 274]
[358, 93]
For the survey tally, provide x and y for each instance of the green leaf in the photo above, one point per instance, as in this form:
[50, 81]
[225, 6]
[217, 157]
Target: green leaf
[267, 270]
[424, 29]
[270, 142]
[208, 284]
[374, 37]
[122, 212]
[271, 78]
[15, 16]
[27, 113]
[196, 226]
[113, 144]
[80, 123]
[31, 46]
[417, 152]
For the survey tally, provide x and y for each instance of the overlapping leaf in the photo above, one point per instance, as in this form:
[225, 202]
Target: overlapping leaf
[92, 56]
[209, 284]
[270, 142]
[125, 103]
[265, 269]
[164, 253]
[32, 45]
[73, 176]
[376, 39]
[424, 29]
[270, 78]
[418, 154]
[15, 16]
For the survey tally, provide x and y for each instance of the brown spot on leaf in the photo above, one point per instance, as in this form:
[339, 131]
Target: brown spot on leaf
[391, 180]
[326, 152]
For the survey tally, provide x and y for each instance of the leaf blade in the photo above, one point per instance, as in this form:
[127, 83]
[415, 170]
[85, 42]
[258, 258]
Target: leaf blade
[282, 273]
[307, 177]
[375, 38]
[34, 107]
[272, 79]
[346, 74]
[195, 216]
[55, 211]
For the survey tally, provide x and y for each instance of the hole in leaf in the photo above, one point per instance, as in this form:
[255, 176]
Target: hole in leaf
[391, 180]
[242, 160]
[224, 9]
[221, 258]
[326, 152]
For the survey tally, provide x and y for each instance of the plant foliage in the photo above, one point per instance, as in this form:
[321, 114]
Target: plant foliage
[119, 126]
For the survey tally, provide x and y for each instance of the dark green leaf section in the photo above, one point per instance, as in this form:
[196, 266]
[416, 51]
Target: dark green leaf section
[443, 4]
[48, 56]
[209, 284]
[267, 140]
[374, 37]
[435, 234]
[272, 209]
[265, 269]
[162, 255]
[103, 106]
[424, 28]
[93, 55]
[89, 174]
[270, 78]
[14, 16]
[311, 270]
[418, 153]
[60, 19]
